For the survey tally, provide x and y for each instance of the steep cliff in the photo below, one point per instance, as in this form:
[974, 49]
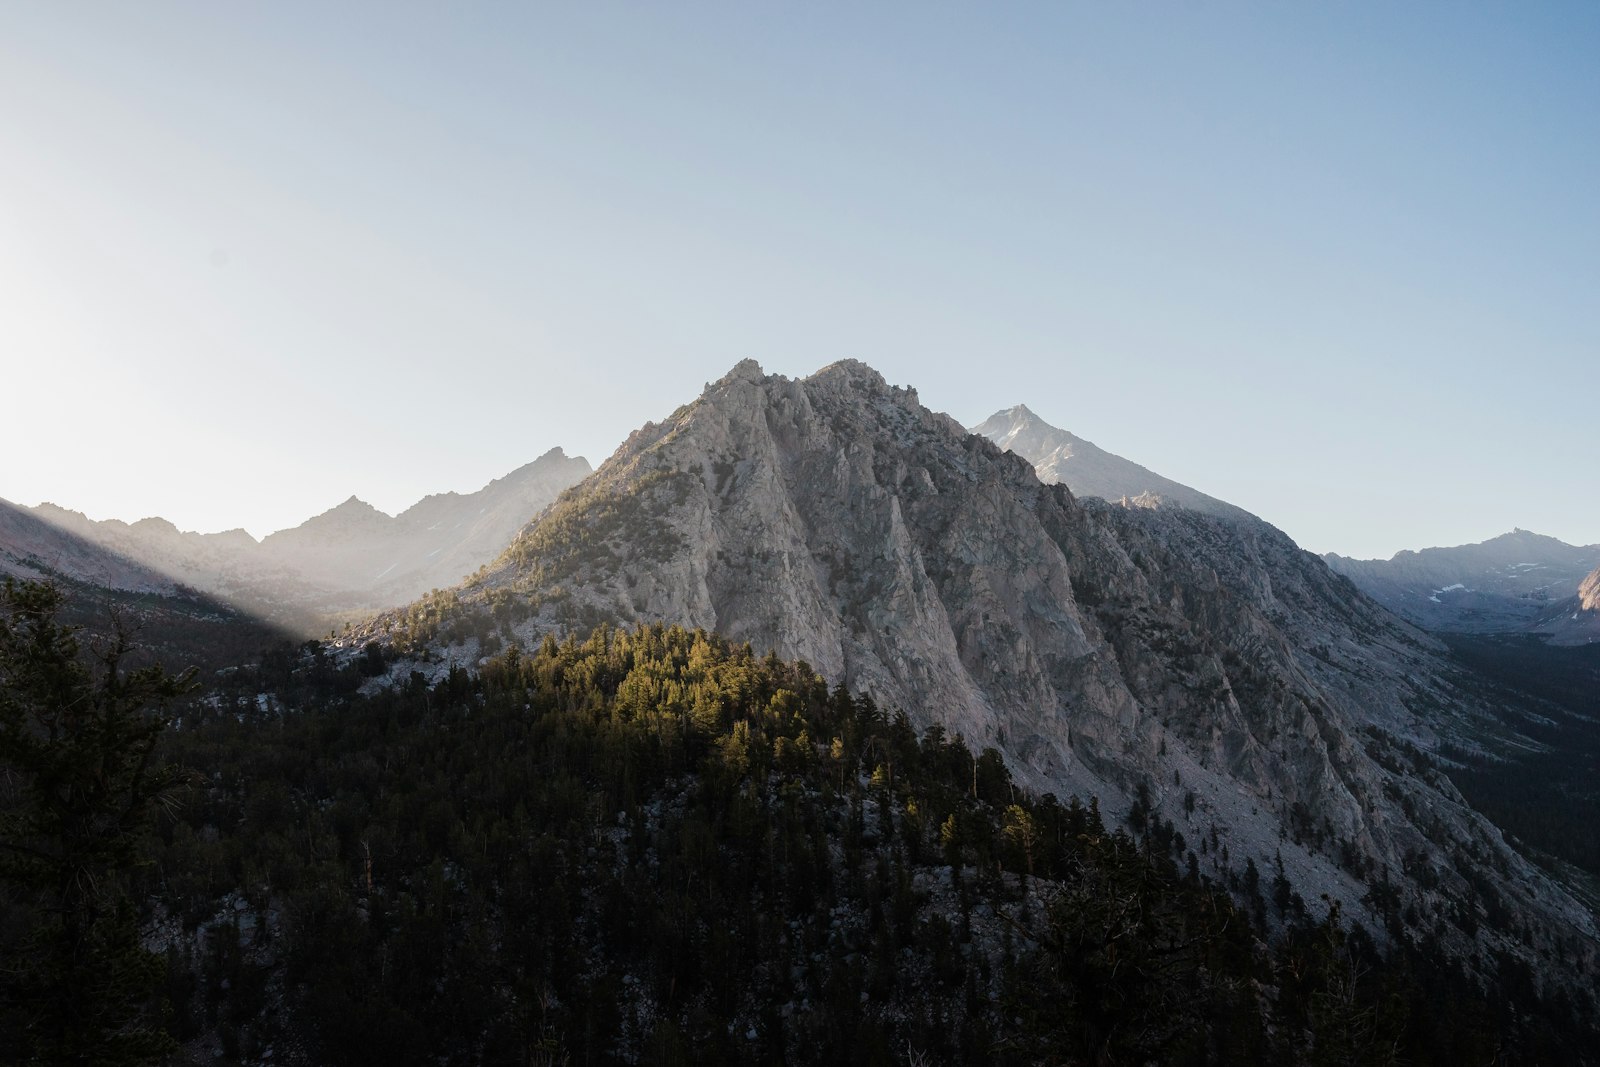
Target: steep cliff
[1198, 666]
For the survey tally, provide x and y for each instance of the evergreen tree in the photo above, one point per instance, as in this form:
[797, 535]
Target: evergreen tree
[77, 789]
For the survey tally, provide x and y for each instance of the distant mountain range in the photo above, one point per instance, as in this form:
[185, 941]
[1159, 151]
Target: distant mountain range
[173, 623]
[348, 560]
[1193, 665]
[1519, 582]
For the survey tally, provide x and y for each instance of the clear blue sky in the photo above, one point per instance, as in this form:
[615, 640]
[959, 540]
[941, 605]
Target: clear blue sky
[1336, 263]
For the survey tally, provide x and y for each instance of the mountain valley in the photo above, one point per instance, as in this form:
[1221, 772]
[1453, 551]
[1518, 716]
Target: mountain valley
[811, 727]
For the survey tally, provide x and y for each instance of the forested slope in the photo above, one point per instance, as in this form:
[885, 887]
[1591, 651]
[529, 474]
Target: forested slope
[653, 847]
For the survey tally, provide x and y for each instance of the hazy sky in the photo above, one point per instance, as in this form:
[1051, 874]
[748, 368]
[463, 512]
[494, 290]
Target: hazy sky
[1336, 263]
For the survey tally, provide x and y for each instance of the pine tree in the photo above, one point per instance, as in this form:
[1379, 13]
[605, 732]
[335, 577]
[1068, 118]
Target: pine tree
[77, 790]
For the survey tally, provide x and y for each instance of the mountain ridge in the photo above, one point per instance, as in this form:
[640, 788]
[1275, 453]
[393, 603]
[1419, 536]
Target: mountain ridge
[1199, 664]
[1088, 470]
[1516, 582]
[350, 558]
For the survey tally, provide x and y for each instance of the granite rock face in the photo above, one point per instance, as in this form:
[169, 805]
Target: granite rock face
[1200, 664]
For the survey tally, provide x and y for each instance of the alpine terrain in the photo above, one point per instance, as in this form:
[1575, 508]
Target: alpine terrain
[350, 559]
[1088, 470]
[1516, 582]
[1188, 667]
[1575, 620]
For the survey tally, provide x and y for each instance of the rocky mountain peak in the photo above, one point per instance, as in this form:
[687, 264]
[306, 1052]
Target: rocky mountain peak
[238, 538]
[1197, 666]
[1589, 592]
[855, 377]
[65, 517]
[746, 370]
[1016, 417]
[1518, 537]
[156, 526]
[1061, 457]
[554, 465]
[853, 372]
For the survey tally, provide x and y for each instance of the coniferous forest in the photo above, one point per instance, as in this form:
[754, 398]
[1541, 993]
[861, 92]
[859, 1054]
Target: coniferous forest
[646, 846]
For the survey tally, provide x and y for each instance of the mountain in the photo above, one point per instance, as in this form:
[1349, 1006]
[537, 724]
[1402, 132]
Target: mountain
[351, 558]
[167, 619]
[1575, 620]
[227, 565]
[1060, 457]
[1511, 583]
[381, 560]
[33, 549]
[1177, 665]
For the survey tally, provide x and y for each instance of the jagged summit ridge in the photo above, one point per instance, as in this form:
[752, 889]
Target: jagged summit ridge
[1088, 470]
[753, 462]
[34, 547]
[1200, 660]
[351, 557]
[1517, 582]
[843, 374]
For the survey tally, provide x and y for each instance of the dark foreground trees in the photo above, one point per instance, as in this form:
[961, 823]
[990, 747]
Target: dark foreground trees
[77, 789]
[647, 846]
[654, 846]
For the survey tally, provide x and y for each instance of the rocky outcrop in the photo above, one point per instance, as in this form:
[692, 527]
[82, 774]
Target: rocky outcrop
[1198, 664]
